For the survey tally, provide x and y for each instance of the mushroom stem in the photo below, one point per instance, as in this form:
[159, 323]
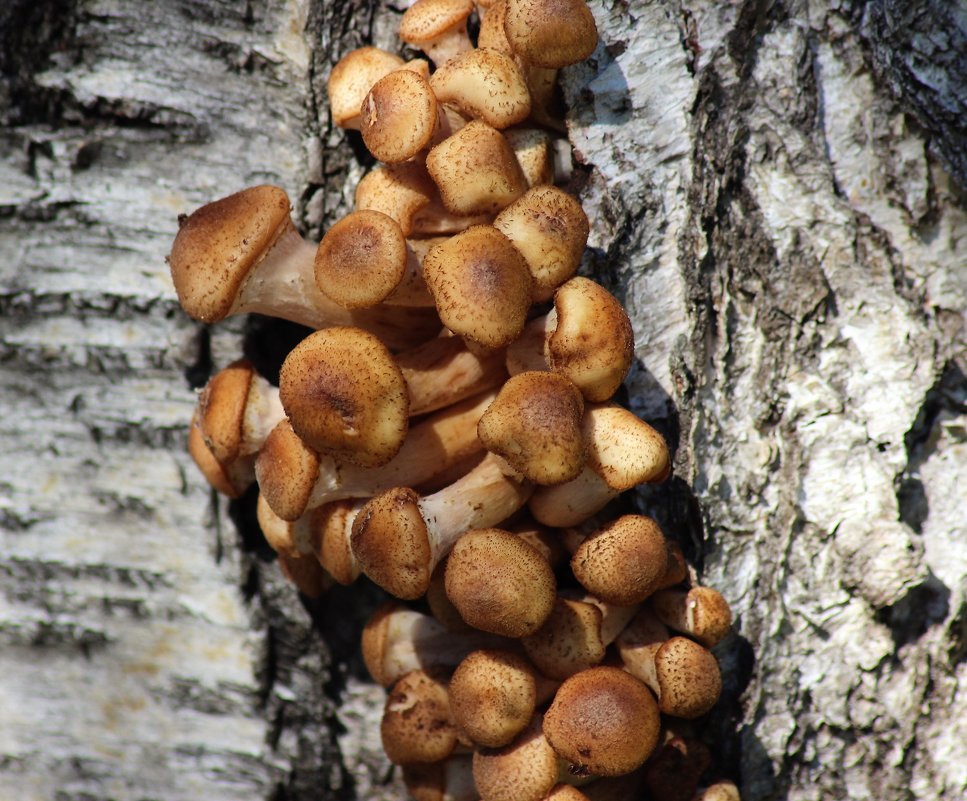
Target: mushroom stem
[400, 537]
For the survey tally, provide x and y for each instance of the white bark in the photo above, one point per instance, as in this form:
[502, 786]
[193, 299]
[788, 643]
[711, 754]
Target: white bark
[791, 251]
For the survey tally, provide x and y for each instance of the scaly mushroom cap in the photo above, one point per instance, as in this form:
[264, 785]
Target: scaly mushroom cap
[550, 33]
[498, 583]
[593, 342]
[623, 449]
[492, 696]
[535, 425]
[400, 191]
[532, 147]
[476, 170]
[417, 725]
[484, 85]
[550, 229]
[286, 469]
[361, 259]
[523, 770]
[481, 285]
[345, 396]
[701, 612]
[221, 409]
[603, 721]
[218, 245]
[437, 27]
[687, 677]
[569, 641]
[352, 77]
[230, 479]
[623, 562]
[491, 34]
[399, 116]
[391, 543]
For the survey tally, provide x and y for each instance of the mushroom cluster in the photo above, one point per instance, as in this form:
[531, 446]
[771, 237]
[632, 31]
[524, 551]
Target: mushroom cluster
[448, 430]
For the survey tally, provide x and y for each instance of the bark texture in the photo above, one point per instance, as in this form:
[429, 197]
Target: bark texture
[776, 192]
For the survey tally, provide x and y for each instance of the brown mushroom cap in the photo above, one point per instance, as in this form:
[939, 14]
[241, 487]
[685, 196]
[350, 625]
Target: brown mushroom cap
[231, 479]
[550, 229]
[481, 285]
[534, 153]
[498, 583]
[524, 770]
[485, 85]
[687, 677]
[492, 696]
[550, 33]
[400, 191]
[476, 170]
[417, 725]
[287, 470]
[345, 396]
[352, 77]
[592, 342]
[437, 27]
[569, 641]
[221, 409]
[399, 116]
[218, 245]
[623, 449]
[603, 721]
[624, 561]
[535, 425]
[701, 612]
[361, 259]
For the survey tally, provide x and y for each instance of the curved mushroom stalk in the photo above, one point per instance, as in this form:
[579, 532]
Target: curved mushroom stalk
[399, 537]
[623, 451]
[242, 254]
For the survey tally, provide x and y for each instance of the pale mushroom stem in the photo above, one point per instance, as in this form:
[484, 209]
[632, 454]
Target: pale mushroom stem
[263, 411]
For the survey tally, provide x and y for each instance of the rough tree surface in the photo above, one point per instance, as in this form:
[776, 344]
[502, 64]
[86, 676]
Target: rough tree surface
[777, 194]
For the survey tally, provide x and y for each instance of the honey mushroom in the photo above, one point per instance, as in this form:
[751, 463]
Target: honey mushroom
[484, 85]
[700, 612]
[242, 254]
[417, 725]
[399, 537]
[231, 479]
[294, 478]
[438, 28]
[526, 769]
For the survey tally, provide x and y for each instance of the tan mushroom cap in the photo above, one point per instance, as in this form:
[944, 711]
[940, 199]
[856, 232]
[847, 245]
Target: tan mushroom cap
[550, 229]
[437, 27]
[534, 153]
[400, 191]
[352, 77]
[624, 561]
[550, 33]
[481, 286]
[524, 770]
[701, 612]
[498, 583]
[330, 527]
[687, 678]
[221, 409]
[603, 721]
[623, 449]
[492, 696]
[417, 725]
[485, 85]
[287, 470]
[361, 259]
[230, 479]
[218, 245]
[535, 425]
[345, 396]
[569, 641]
[593, 342]
[399, 116]
[491, 34]
[476, 170]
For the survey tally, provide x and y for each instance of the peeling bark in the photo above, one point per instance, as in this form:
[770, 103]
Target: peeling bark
[777, 194]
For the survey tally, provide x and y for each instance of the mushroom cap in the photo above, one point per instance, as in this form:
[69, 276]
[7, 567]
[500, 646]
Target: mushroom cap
[400, 191]
[550, 229]
[524, 770]
[217, 246]
[593, 342]
[485, 85]
[428, 20]
[221, 409]
[352, 77]
[624, 561]
[476, 170]
[532, 147]
[688, 678]
[286, 469]
[230, 479]
[701, 612]
[499, 583]
[361, 259]
[492, 696]
[481, 285]
[569, 641]
[330, 528]
[399, 116]
[345, 396]
[391, 543]
[550, 33]
[603, 721]
[623, 449]
[535, 425]
[417, 725]
[279, 534]
[491, 32]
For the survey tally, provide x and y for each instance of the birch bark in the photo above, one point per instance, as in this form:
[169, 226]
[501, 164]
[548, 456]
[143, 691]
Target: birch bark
[777, 194]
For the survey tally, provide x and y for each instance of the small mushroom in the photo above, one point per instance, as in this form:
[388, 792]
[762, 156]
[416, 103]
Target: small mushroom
[484, 85]
[603, 721]
[399, 537]
[352, 77]
[524, 770]
[230, 479]
[400, 116]
[417, 725]
[700, 612]
[345, 396]
[498, 583]
[438, 28]
[688, 681]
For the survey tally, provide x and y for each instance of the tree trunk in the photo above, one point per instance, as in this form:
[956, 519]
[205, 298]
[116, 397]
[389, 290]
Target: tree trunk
[777, 195]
